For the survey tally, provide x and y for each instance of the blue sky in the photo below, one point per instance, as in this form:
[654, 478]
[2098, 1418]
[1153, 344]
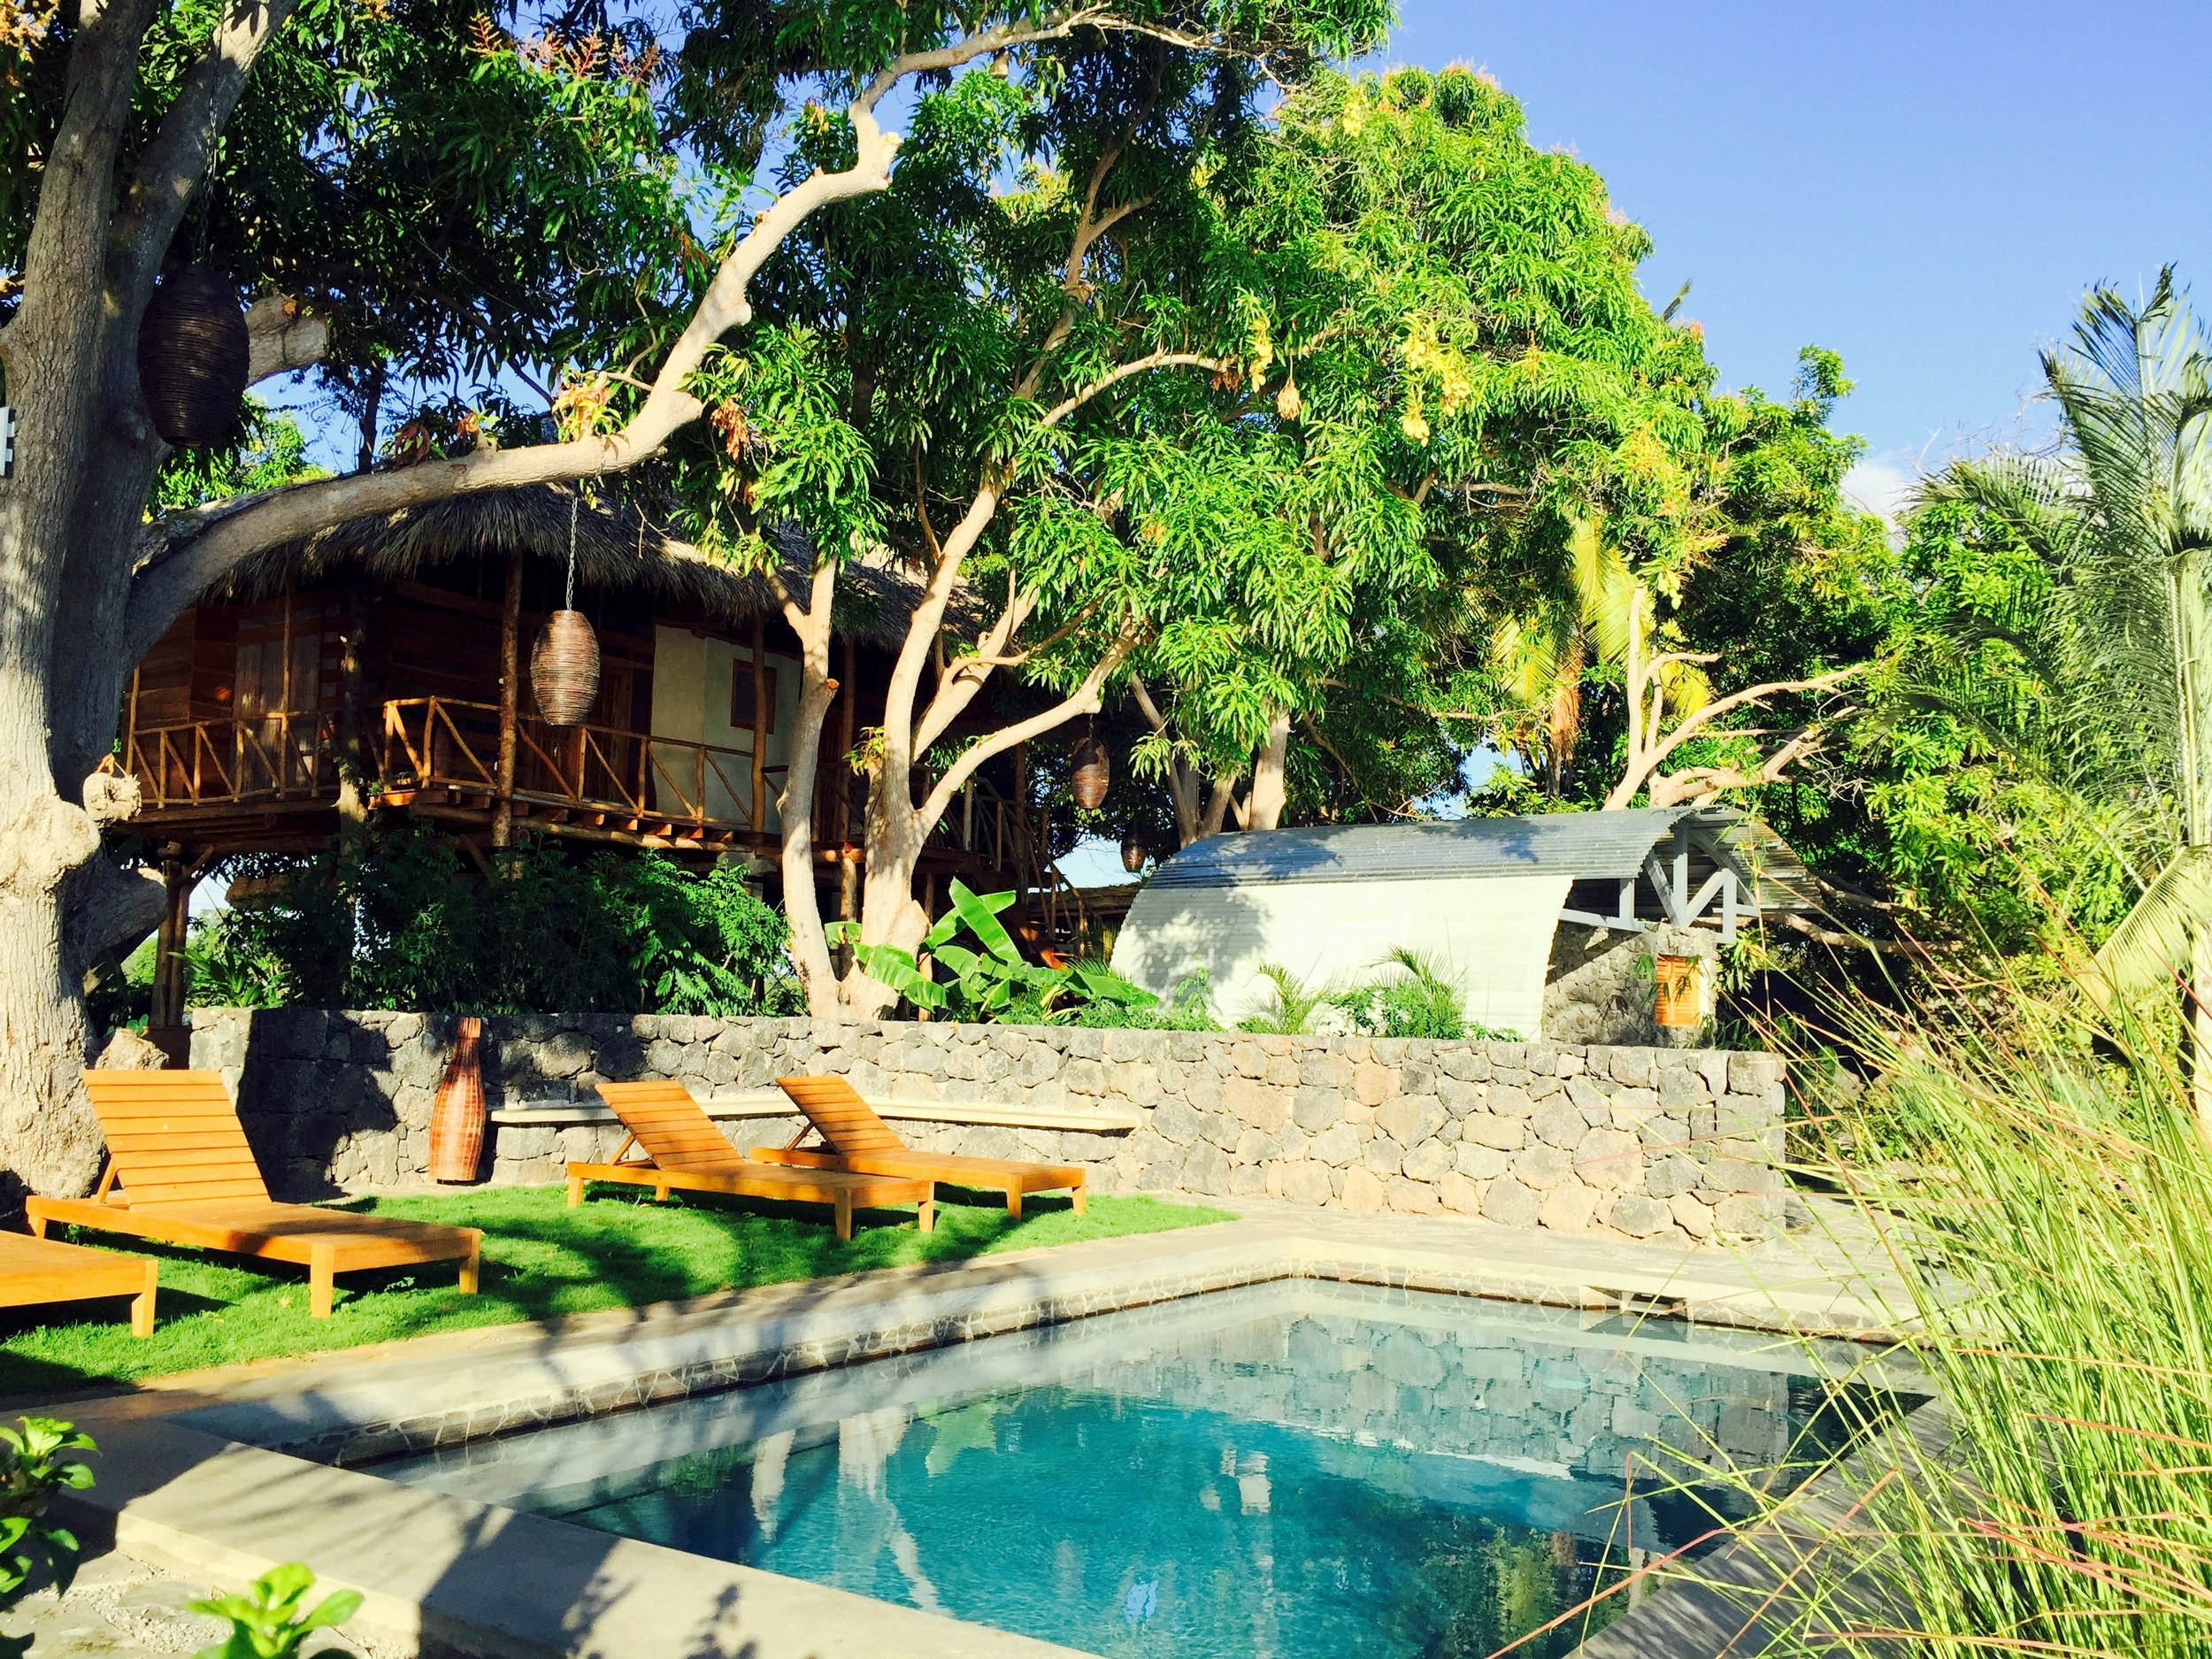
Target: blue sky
[1926, 189]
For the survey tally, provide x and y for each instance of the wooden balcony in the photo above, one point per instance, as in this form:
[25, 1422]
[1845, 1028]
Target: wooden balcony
[272, 782]
[441, 758]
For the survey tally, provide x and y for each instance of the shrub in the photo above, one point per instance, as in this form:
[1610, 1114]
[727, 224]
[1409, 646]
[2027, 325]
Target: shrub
[273, 1620]
[403, 919]
[2038, 1184]
[39, 1457]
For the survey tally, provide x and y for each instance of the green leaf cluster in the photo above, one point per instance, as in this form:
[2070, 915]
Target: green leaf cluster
[273, 1620]
[993, 981]
[400, 920]
[39, 1457]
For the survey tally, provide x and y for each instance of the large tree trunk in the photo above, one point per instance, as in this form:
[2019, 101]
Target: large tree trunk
[48, 1139]
[795, 807]
[1270, 780]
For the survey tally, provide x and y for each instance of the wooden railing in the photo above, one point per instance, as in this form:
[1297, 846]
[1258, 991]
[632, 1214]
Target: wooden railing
[257, 757]
[453, 743]
[444, 742]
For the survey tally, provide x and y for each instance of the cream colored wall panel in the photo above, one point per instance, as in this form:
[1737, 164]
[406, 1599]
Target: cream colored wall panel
[1494, 934]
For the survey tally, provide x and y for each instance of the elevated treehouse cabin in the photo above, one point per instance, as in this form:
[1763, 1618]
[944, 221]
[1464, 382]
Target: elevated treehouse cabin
[383, 667]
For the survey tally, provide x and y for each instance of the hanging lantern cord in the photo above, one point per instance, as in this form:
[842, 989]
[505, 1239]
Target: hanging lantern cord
[575, 503]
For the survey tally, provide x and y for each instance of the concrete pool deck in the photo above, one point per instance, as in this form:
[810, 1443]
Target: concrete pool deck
[220, 1475]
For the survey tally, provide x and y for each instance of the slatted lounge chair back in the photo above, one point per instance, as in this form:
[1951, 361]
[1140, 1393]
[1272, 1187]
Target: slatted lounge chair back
[839, 1114]
[675, 1133]
[174, 1137]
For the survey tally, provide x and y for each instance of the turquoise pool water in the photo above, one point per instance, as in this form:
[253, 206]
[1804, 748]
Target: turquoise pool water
[1291, 1470]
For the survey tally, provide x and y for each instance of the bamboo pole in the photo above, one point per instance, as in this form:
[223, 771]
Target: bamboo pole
[760, 725]
[849, 693]
[168, 998]
[510, 704]
[353, 742]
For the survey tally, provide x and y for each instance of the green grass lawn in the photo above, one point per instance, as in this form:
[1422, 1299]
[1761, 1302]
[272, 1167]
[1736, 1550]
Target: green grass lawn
[541, 1259]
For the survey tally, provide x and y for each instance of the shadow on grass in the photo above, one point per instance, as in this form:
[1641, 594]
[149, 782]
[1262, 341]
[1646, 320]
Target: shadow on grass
[542, 1261]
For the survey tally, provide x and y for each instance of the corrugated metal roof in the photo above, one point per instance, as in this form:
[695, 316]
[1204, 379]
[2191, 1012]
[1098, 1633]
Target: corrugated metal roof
[1576, 845]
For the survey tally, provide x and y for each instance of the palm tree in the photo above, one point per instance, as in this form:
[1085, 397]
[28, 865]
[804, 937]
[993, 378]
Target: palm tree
[1538, 658]
[2118, 639]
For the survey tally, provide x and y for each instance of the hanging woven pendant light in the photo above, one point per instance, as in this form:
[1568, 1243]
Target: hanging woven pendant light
[1134, 852]
[565, 658]
[1088, 771]
[193, 356]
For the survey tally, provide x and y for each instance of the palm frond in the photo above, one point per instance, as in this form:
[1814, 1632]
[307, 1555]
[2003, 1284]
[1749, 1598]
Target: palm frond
[2156, 939]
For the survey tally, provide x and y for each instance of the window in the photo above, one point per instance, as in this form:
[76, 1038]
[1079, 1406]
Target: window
[741, 695]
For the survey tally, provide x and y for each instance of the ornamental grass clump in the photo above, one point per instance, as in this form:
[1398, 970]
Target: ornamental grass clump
[2043, 1195]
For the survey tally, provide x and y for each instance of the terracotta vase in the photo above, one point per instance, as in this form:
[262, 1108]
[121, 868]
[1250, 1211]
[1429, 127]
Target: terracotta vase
[457, 1124]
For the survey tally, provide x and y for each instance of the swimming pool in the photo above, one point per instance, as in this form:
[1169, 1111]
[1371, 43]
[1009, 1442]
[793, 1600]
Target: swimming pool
[1289, 1468]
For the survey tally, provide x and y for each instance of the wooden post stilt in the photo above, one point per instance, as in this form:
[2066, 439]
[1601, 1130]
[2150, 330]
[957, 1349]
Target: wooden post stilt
[510, 704]
[760, 726]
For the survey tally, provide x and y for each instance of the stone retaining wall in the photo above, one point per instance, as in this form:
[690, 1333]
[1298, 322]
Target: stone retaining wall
[1655, 1143]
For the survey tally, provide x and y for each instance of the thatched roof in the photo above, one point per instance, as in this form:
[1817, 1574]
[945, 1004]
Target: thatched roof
[617, 546]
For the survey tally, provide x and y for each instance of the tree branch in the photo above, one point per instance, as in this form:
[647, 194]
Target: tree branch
[283, 337]
[1647, 750]
[179, 568]
[1691, 723]
[1083, 699]
[1114, 377]
[170, 167]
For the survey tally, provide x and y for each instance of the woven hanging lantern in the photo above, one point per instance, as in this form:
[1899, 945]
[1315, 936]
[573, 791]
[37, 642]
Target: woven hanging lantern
[193, 355]
[457, 1122]
[1680, 1005]
[1088, 771]
[1134, 852]
[564, 668]
[565, 658]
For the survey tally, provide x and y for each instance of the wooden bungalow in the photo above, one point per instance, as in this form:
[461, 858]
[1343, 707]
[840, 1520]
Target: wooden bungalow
[383, 666]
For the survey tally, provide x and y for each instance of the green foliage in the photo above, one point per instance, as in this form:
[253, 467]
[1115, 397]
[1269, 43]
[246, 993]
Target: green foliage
[39, 1457]
[2099, 639]
[993, 981]
[2036, 1184]
[1413, 996]
[269, 451]
[1114, 1002]
[1293, 1006]
[400, 920]
[273, 1620]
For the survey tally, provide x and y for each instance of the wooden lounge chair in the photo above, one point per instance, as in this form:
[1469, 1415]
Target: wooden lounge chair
[37, 1271]
[857, 1140]
[189, 1178]
[684, 1151]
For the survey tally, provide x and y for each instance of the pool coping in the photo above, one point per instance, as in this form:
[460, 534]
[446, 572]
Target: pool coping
[227, 1473]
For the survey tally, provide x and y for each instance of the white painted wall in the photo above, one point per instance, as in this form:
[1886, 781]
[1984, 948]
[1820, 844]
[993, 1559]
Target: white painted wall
[1495, 932]
[692, 678]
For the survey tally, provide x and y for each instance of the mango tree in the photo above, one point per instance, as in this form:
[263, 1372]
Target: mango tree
[967, 377]
[260, 132]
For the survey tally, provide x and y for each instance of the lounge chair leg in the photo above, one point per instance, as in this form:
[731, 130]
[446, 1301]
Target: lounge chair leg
[844, 1204]
[660, 1194]
[1082, 1198]
[472, 1263]
[143, 1304]
[575, 1191]
[1013, 1203]
[322, 1268]
[926, 1214]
